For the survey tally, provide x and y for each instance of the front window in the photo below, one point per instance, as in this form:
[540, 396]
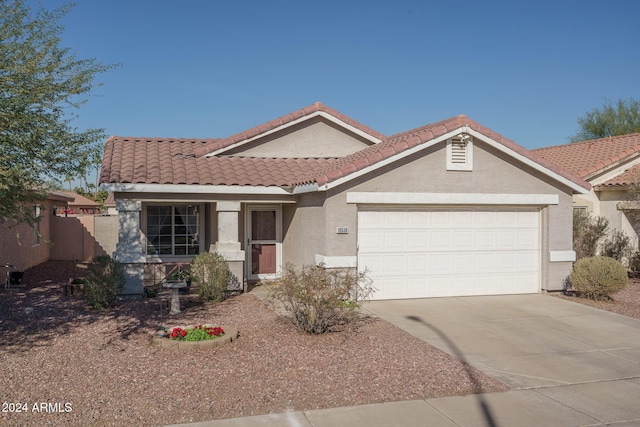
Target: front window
[173, 230]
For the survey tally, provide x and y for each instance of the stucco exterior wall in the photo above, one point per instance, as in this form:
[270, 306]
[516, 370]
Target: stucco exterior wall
[493, 172]
[303, 229]
[18, 247]
[618, 219]
[315, 138]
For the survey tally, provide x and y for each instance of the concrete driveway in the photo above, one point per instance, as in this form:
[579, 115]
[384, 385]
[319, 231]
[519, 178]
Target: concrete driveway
[560, 355]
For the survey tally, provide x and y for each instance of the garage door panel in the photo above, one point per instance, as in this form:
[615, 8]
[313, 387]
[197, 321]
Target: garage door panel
[417, 264]
[440, 240]
[394, 240]
[440, 263]
[394, 265]
[463, 240]
[527, 239]
[413, 253]
[417, 240]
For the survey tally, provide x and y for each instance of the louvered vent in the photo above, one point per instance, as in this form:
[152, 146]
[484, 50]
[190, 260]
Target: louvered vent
[460, 153]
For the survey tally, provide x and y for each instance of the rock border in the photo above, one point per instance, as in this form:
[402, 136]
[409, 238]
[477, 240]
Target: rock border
[230, 334]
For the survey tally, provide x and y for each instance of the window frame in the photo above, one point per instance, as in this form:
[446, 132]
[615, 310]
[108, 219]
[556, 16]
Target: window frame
[145, 227]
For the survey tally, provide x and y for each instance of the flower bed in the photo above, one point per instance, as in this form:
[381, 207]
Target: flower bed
[195, 337]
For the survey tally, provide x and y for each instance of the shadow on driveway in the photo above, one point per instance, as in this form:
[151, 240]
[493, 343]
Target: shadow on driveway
[484, 406]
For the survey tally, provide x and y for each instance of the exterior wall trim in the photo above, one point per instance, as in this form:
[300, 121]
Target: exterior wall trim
[337, 261]
[562, 256]
[452, 198]
[193, 189]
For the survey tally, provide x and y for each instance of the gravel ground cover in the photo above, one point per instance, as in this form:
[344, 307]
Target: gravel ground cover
[625, 302]
[64, 364]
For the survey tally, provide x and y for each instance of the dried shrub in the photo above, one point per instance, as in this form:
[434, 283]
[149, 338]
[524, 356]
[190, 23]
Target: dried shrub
[598, 277]
[320, 300]
[587, 231]
[616, 246]
[104, 280]
[210, 273]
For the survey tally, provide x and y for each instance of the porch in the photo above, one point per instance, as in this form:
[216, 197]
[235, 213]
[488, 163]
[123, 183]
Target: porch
[157, 237]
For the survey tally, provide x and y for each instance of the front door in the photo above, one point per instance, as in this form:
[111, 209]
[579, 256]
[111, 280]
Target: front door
[263, 242]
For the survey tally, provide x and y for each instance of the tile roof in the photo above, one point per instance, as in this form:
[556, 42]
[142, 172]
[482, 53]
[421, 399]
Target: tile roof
[171, 161]
[78, 200]
[409, 139]
[629, 176]
[588, 158]
[217, 144]
[184, 161]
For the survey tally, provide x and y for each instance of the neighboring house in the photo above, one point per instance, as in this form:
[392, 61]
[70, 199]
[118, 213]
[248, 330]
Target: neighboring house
[612, 167]
[80, 205]
[21, 245]
[450, 208]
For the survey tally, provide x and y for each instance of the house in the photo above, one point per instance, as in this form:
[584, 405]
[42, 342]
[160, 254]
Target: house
[612, 166]
[79, 205]
[450, 208]
[24, 246]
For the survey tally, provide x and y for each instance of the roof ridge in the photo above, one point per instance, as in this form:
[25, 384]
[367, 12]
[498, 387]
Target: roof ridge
[238, 137]
[159, 138]
[405, 140]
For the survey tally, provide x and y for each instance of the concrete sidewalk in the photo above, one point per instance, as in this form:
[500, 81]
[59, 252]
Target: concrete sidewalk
[568, 365]
[595, 404]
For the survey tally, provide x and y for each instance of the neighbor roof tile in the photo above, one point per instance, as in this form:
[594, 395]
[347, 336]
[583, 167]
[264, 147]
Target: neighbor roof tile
[588, 158]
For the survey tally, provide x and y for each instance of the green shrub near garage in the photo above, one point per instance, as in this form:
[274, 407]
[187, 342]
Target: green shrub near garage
[598, 277]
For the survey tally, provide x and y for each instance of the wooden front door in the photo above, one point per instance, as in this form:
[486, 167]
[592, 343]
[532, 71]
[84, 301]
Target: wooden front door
[263, 243]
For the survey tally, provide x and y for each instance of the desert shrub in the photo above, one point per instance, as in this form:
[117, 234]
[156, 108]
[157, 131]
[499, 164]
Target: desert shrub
[616, 246]
[634, 262]
[104, 280]
[210, 273]
[598, 277]
[587, 231]
[318, 299]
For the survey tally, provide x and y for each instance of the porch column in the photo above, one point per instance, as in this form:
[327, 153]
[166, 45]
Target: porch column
[129, 249]
[228, 243]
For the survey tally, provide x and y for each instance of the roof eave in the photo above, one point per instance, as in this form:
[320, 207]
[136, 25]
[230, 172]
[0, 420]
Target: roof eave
[193, 189]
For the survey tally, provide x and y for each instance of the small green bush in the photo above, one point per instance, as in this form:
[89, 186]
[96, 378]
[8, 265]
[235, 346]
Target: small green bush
[210, 273]
[598, 277]
[104, 280]
[318, 299]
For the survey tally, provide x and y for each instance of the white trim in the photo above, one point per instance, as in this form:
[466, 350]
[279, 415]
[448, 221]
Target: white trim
[452, 198]
[337, 261]
[562, 256]
[193, 188]
[305, 188]
[462, 129]
[529, 162]
[389, 160]
[468, 154]
[614, 171]
[327, 116]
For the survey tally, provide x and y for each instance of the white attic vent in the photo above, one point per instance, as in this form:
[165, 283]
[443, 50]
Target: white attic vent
[460, 153]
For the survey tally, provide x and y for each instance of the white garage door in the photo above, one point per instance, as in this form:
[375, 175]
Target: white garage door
[417, 253]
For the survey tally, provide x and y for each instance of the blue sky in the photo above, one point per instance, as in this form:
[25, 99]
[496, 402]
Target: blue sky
[211, 68]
